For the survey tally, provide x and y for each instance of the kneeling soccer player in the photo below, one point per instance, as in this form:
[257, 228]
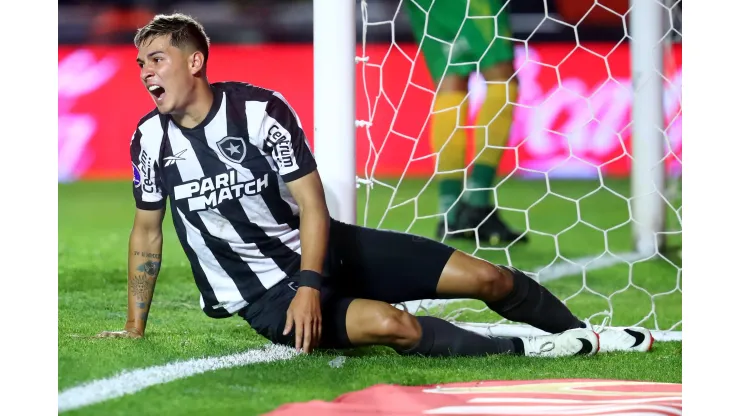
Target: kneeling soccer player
[248, 207]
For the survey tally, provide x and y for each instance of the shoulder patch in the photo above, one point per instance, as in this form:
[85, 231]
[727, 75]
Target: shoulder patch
[137, 175]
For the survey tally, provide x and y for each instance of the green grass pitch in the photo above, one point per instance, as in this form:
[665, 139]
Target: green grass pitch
[568, 219]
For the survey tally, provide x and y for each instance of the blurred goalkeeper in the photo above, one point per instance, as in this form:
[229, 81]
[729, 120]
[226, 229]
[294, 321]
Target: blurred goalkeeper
[248, 207]
[479, 42]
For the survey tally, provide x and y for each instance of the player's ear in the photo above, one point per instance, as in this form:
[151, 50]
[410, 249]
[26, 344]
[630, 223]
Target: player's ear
[196, 62]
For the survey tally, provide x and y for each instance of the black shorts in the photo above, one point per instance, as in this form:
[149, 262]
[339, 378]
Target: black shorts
[363, 263]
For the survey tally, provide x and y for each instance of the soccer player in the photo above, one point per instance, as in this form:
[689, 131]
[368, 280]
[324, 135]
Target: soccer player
[248, 207]
[457, 31]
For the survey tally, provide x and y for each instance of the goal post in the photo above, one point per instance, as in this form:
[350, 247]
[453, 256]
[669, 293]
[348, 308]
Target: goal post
[647, 29]
[334, 46]
[362, 105]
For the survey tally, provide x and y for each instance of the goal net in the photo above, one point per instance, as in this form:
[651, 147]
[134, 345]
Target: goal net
[589, 174]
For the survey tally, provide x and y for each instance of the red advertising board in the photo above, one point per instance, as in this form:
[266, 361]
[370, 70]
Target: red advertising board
[573, 111]
[547, 397]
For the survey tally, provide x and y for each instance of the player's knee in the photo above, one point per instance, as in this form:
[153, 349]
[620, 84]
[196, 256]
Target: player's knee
[399, 328]
[493, 282]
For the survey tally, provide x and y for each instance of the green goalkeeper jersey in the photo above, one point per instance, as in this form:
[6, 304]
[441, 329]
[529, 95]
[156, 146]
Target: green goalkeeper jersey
[470, 43]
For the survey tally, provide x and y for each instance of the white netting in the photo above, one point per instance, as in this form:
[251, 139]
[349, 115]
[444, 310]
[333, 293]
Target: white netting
[567, 123]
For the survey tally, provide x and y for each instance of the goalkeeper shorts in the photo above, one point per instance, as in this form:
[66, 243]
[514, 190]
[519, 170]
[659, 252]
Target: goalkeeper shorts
[479, 43]
[362, 263]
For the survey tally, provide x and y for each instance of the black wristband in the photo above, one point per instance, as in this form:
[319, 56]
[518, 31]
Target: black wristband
[310, 278]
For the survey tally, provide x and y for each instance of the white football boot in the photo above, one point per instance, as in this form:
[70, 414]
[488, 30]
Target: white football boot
[572, 342]
[622, 338]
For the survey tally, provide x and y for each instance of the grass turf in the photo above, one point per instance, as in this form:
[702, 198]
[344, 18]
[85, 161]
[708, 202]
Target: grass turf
[567, 219]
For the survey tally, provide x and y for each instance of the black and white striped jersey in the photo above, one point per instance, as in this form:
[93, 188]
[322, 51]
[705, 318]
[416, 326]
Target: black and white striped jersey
[225, 179]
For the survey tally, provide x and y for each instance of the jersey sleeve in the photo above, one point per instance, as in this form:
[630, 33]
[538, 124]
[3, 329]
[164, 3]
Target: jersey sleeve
[285, 140]
[148, 190]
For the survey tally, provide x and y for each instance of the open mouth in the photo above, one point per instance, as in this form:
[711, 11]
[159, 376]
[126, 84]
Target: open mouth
[157, 92]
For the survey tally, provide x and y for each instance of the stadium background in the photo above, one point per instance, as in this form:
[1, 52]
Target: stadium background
[268, 43]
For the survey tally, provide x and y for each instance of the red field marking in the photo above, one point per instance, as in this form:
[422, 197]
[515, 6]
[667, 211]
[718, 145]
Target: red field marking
[581, 397]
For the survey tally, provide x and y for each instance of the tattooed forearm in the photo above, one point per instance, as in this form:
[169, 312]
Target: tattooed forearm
[147, 255]
[150, 267]
[141, 287]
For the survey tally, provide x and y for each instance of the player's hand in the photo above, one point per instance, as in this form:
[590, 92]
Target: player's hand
[305, 314]
[126, 333]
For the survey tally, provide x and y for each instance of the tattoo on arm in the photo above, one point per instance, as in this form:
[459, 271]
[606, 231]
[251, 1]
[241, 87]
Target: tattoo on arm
[150, 267]
[141, 286]
[148, 255]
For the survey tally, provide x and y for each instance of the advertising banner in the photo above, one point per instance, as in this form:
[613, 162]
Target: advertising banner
[572, 116]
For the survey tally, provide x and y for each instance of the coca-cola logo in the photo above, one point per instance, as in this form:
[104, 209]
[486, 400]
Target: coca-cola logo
[574, 122]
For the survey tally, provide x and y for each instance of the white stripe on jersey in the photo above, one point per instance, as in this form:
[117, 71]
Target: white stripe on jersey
[224, 288]
[151, 141]
[267, 271]
[256, 210]
[256, 116]
[254, 206]
[255, 110]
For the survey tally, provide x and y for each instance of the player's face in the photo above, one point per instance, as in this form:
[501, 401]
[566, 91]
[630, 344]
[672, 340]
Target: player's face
[165, 73]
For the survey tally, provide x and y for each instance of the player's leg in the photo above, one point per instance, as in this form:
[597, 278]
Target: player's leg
[516, 297]
[441, 20]
[506, 291]
[349, 322]
[268, 314]
[449, 141]
[391, 267]
[494, 119]
[394, 267]
[370, 322]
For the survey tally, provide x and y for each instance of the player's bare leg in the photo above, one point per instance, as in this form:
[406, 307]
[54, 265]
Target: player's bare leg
[371, 322]
[512, 295]
[516, 297]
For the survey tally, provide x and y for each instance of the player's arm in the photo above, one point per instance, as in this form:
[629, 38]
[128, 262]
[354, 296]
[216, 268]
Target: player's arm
[144, 260]
[304, 312]
[314, 228]
[286, 141]
[145, 240]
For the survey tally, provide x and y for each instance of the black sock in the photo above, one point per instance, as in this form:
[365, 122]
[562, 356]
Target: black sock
[442, 338]
[530, 303]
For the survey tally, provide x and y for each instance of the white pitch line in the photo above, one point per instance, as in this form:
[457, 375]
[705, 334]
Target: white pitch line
[132, 381]
[568, 268]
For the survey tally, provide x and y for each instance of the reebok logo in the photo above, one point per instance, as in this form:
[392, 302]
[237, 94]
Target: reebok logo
[209, 192]
[170, 160]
